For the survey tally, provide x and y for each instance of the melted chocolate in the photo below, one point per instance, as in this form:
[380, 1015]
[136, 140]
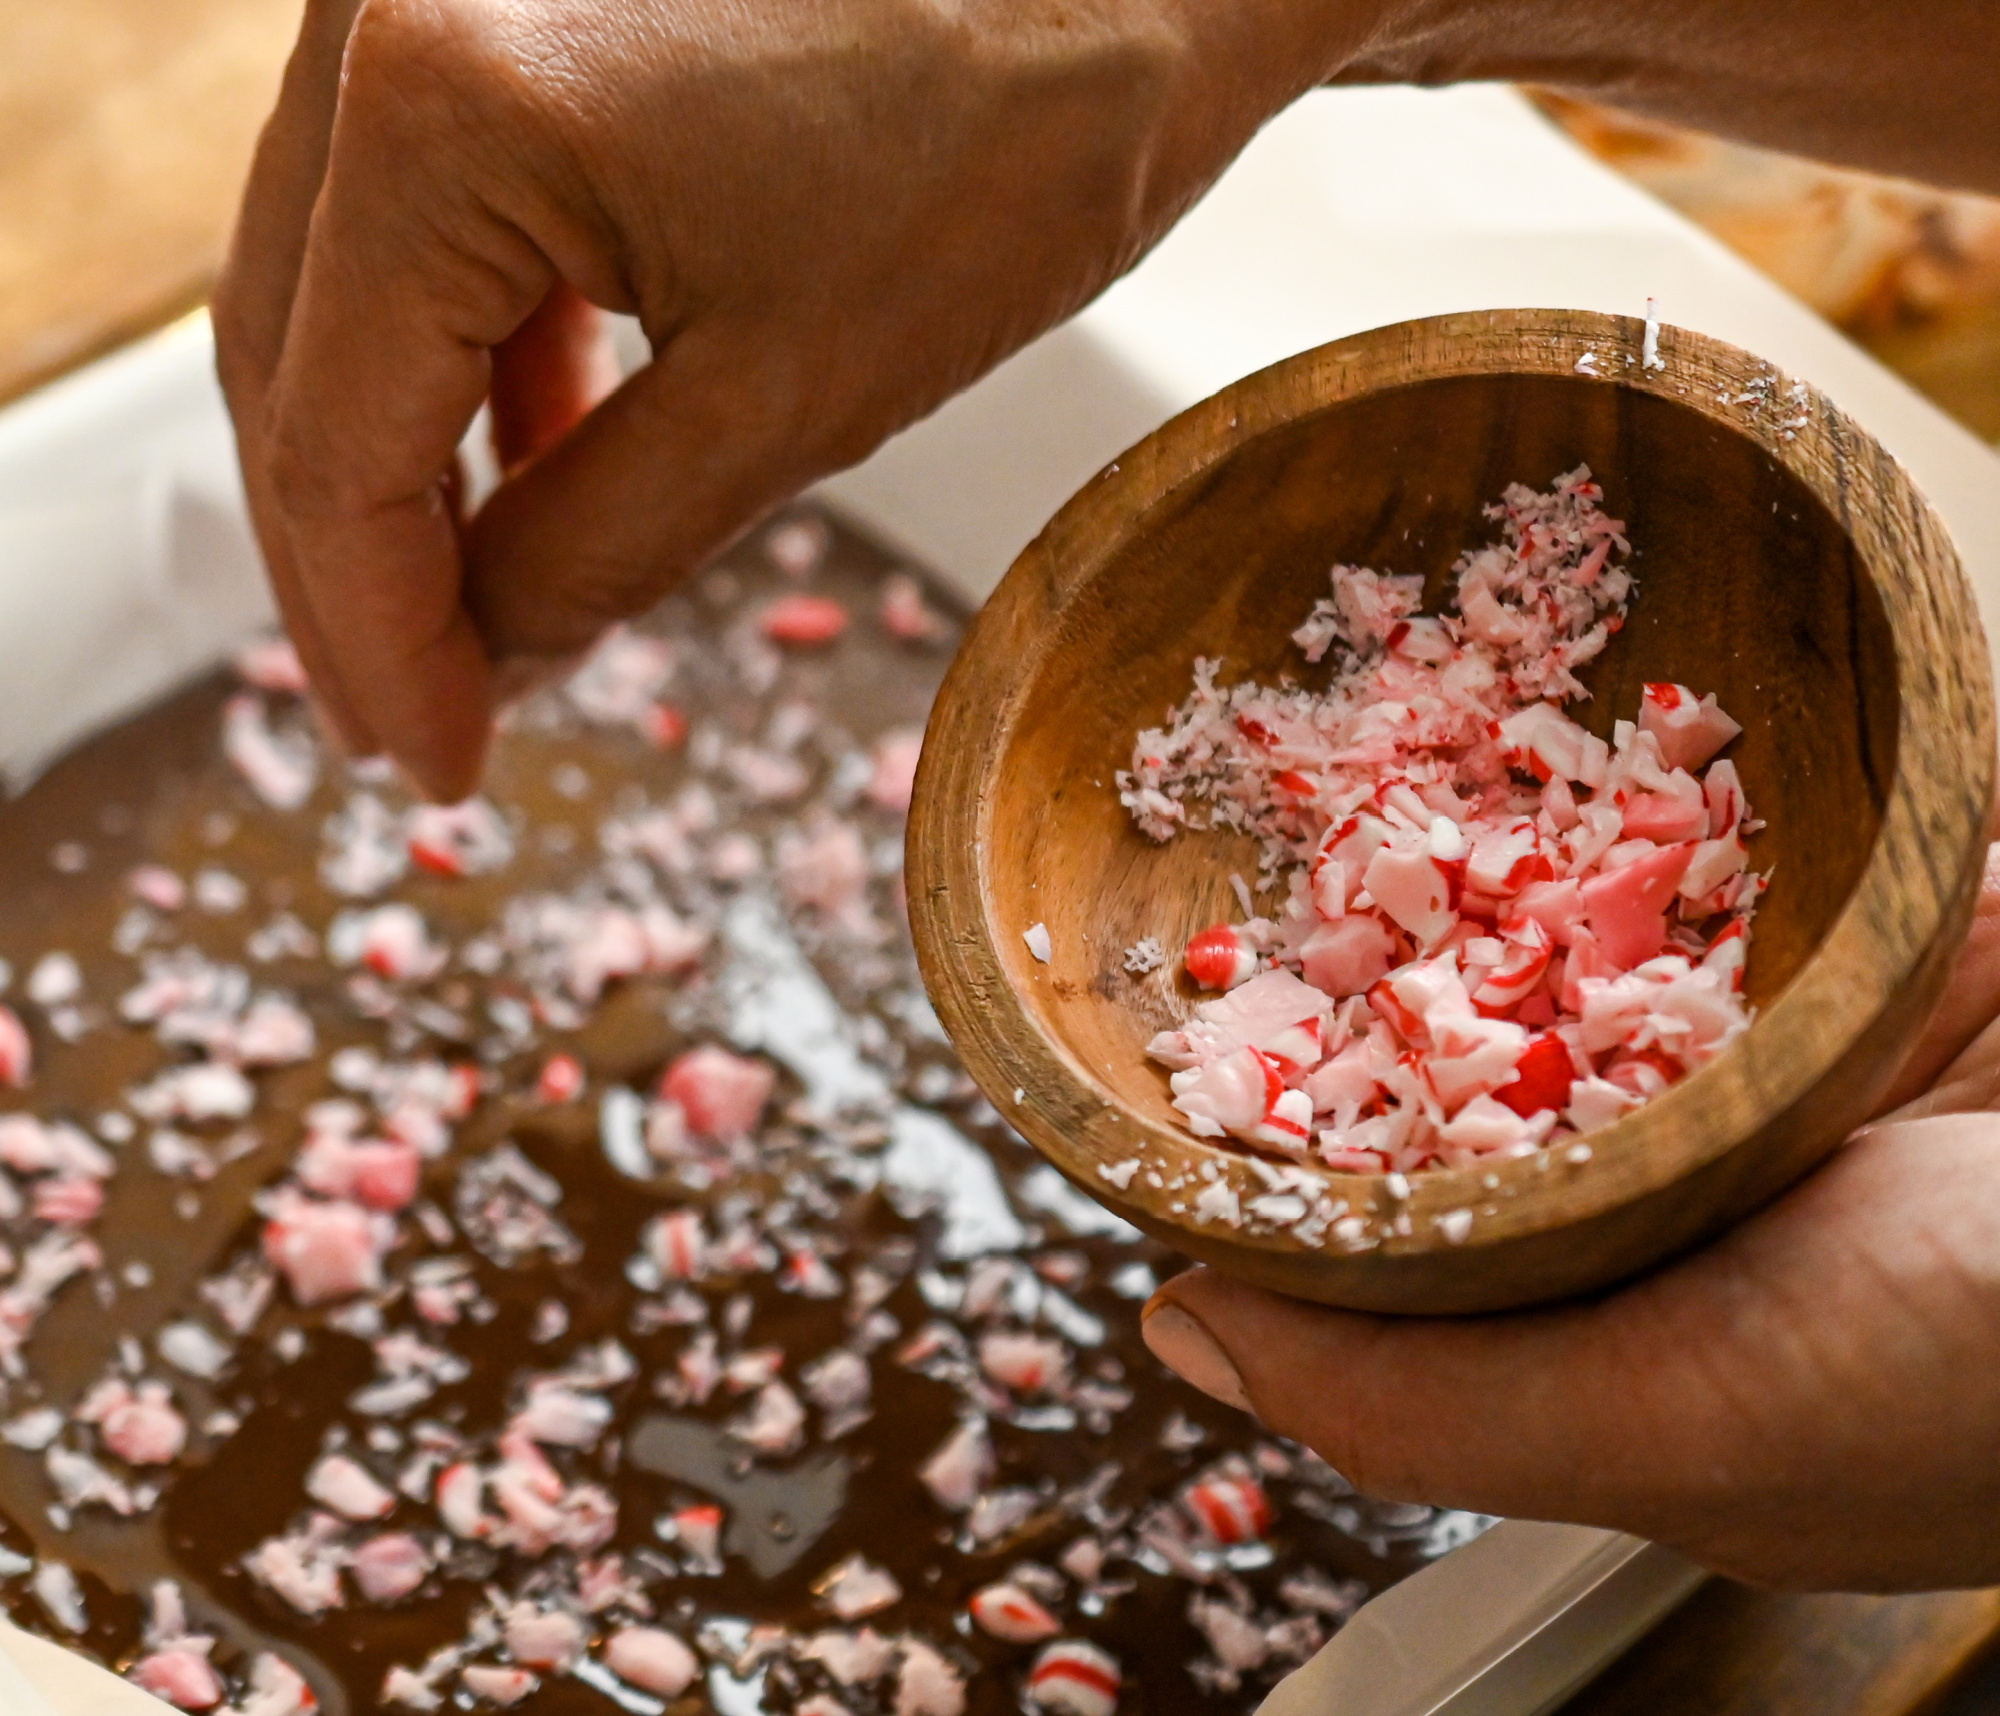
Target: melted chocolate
[157, 790]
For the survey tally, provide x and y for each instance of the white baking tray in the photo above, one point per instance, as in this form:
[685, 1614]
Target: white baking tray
[125, 568]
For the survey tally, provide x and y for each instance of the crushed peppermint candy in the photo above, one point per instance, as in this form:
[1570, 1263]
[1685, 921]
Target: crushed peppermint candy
[1494, 931]
[541, 1253]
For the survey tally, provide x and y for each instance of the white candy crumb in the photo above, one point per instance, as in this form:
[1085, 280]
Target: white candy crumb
[1144, 956]
[1037, 938]
[1455, 1225]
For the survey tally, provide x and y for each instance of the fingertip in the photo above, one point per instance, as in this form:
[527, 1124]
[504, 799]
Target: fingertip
[1184, 1344]
[442, 774]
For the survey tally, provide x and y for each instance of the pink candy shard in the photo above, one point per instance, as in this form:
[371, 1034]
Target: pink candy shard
[722, 1095]
[390, 1567]
[272, 664]
[1689, 730]
[1627, 907]
[69, 1201]
[1412, 888]
[927, 1684]
[324, 1250]
[181, 1675]
[959, 1468]
[856, 1587]
[17, 1054]
[894, 774]
[560, 1080]
[379, 1173]
[1347, 955]
[543, 1638]
[652, 1660]
[344, 1486]
[904, 612]
[141, 1426]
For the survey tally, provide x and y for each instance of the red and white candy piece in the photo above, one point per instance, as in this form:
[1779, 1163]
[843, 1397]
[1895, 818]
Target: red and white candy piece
[467, 839]
[1689, 730]
[560, 1080]
[677, 1243]
[722, 1095]
[460, 1501]
[497, 1685]
[803, 620]
[1075, 1678]
[1005, 1611]
[698, 1530]
[1028, 1364]
[1220, 958]
[1230, 1507]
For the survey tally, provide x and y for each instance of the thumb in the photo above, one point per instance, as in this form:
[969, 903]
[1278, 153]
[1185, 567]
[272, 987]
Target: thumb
[1479, 1413]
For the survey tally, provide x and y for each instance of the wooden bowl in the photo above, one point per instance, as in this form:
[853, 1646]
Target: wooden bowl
[1783, 560]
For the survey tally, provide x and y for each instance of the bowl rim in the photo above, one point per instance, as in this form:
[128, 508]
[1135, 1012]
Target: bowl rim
[1915, 890]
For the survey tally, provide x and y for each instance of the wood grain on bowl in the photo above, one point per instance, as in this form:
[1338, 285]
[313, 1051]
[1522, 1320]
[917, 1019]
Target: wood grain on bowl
[1783, 560]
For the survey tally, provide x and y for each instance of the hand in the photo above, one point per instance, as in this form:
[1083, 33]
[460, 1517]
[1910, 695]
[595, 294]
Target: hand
[1811, 1401]
[828, 215]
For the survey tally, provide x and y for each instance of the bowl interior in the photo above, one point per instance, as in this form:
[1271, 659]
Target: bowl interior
[1746, 586]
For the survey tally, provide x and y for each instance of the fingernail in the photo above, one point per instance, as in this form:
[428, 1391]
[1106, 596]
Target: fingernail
[1180, 1342]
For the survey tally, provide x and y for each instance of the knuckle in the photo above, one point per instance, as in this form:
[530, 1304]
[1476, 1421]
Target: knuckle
[391, 39]
[473, 63]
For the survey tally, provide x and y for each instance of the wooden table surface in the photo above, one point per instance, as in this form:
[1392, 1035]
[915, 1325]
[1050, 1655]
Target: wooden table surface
[125, 126]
